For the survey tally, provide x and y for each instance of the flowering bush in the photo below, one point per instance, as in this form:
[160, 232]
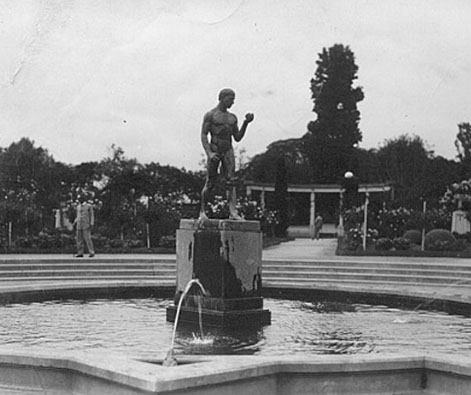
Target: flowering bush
[271, 218]
[353, 217]
[401, 243]
[249, 209]
[354, 237]
[218, 209]
[393, 222]
[414, 236]
[438, 218]
[458, 195]
[384, 244]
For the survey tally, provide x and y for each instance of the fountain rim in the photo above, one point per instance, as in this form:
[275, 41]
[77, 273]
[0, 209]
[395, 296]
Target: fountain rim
[30, 293]
[151, 376]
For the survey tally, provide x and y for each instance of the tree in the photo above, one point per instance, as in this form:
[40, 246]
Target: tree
[281, 197]
[332, 138]
[263, 167]
[463, 146]
[405, 161]
[30, 183]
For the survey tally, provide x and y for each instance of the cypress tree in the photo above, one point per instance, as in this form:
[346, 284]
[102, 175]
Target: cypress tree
[331, 140]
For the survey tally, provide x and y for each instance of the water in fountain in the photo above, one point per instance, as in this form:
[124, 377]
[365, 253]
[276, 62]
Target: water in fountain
[170, 359]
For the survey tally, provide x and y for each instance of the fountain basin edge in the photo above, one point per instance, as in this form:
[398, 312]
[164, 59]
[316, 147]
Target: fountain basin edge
[109, 290]
[97, 373]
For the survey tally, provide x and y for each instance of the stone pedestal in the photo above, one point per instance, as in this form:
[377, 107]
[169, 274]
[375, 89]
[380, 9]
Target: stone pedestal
[226, 257]
[459, 223]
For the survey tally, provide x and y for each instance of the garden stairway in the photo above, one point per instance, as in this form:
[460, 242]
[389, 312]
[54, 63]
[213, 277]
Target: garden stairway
[57, 268]
[364, 274]
[334, 272]
[305, 264]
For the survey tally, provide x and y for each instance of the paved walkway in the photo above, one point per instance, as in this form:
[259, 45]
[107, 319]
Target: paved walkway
[300, 249]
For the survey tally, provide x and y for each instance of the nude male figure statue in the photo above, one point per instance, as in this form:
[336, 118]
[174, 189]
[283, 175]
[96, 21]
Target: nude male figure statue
[222, 126]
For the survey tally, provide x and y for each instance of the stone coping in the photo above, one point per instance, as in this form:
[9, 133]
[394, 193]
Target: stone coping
[195, 372]
[221, 224]
[43, 291]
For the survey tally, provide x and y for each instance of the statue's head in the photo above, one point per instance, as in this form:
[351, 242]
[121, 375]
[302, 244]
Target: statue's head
[226, 92]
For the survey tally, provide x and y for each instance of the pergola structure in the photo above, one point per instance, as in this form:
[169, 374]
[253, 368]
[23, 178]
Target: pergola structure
[316, 192]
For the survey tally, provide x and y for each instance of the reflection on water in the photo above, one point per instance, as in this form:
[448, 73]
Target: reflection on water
[138, 327]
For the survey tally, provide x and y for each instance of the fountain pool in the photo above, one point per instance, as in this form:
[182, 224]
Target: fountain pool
[138, 327]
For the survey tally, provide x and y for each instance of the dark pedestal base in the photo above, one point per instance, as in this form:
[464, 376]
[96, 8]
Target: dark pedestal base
[221, 319]
[225, 256]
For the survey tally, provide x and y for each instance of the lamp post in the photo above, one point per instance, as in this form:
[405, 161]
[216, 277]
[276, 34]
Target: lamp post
[424, 210]
[365, 219]
[347, 178]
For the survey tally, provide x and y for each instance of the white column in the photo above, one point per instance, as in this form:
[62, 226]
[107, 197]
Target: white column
[365, 219]
[312, 215]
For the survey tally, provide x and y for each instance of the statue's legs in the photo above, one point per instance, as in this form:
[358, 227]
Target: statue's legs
[211, 176]
[228, 171]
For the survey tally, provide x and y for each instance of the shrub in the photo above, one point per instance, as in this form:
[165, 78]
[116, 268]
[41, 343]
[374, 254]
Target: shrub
[414, 236]
[100, 241]
[384, 244]
[401, 244]
[116, 243]
[392, 222]
[460, 245]
[133, 243]
[168, 242]
[354, 238]
[24, 242]
[439, 240]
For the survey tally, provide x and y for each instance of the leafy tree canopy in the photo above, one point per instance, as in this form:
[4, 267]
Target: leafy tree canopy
[414, 169]
[262, 167]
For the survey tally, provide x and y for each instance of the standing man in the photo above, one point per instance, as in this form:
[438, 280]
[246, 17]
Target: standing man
[84, 223]
[222, 126]
[318, 222]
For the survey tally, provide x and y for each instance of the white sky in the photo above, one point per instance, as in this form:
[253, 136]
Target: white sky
[79, 75]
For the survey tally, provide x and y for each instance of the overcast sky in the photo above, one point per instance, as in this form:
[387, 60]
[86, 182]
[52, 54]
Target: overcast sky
[79, 75]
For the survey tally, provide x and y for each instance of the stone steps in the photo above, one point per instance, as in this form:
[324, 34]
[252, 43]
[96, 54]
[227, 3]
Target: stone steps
[337, 264]
[364, 273]
[60, 268]
[87, 266]
[109, 272]
[311, 271]
[336, 273]
[109, 277]
[300, 273]
[310, 282]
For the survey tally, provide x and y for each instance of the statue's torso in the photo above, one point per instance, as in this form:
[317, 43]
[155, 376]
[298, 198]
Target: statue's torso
[222, 125]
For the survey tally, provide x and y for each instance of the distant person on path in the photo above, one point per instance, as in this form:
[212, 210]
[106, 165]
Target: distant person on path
[222, 126]
[84, 222]
[318, 222]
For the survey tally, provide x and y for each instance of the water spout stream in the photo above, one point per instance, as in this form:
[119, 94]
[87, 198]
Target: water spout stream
[170, 359]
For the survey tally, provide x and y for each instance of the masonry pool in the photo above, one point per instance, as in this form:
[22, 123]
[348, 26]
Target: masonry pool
[138, 327]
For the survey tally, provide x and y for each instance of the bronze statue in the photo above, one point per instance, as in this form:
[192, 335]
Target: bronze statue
[222, 126]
